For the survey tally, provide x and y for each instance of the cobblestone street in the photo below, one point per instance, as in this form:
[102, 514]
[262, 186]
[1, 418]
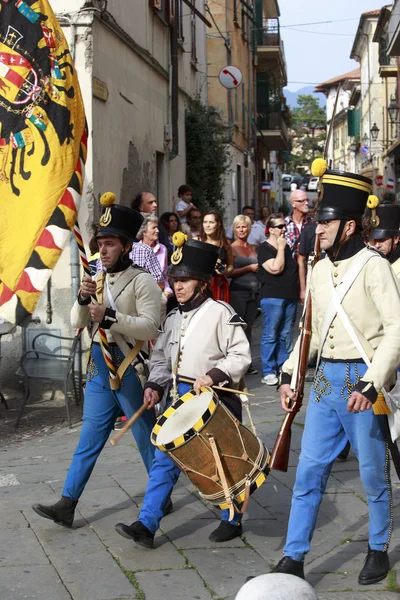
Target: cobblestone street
[40, 560]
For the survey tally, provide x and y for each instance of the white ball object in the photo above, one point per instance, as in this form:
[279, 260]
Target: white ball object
[276, 586]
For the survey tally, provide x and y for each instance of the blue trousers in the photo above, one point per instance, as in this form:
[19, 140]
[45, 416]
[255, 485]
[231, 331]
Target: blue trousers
[277, 335]
[163, 476]
[101, 408]
[328, 427]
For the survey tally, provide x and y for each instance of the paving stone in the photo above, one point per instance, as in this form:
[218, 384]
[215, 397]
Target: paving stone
[32, 583]
[357, 596]
[108, 498]
[194, 534]
[134, 557]
[93, 576]
[343, 508]
[67, 543]
[339, 582]
[268, 539]
[225, 570]
[189, 507]
[347, 558]
[12, 519]
[20, 547]
[173, 585]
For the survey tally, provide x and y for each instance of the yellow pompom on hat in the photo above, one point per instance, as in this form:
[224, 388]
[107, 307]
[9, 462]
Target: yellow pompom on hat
[118, 221]
[108, 199]
[319, 167]
[178, 239]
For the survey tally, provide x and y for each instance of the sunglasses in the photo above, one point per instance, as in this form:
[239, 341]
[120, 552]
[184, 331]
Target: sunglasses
[283, 226]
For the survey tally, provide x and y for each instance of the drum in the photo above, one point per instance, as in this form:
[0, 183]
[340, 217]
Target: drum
[221, 457]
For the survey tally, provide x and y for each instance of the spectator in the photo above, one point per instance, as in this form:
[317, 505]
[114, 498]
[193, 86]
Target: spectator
[257, 232]
[279, 295]
[194, 222]
[184, 205]
[263, 215]
[148, 234]
[171, 224]
[212, 231]
[306, 248]
[244, 283]
[298, 219]
[146, 203]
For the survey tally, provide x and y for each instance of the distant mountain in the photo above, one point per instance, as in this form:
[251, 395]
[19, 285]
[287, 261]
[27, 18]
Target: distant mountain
[291, 97]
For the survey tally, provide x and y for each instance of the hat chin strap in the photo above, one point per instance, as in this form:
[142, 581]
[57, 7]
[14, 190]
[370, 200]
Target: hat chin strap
[336, 244]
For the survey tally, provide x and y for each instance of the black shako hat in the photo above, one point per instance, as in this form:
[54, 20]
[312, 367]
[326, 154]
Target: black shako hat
[389, 222]
[193, 259]
[118, 221]
[342, 195]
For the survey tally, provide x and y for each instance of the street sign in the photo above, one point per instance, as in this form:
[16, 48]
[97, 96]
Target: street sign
[365, 149]
[379, 180]
[230, 77]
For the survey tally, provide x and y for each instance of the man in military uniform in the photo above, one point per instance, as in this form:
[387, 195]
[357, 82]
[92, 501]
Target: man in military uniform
[128, 310]
[386, 235]
[202, 339]
[355, 307]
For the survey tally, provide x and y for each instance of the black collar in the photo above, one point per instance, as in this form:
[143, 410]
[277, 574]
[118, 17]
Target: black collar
[394, 255]
[193, 304]
[120, 265]
[348, 249]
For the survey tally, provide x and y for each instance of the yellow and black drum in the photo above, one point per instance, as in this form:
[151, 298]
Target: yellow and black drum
[221, 457]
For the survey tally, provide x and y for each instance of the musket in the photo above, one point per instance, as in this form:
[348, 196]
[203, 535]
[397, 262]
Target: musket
[280, 453]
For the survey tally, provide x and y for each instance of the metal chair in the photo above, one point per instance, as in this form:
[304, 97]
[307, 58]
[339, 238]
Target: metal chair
[54, 365]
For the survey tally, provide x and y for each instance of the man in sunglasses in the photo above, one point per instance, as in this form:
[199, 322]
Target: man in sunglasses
[297, 220]
[355, 336]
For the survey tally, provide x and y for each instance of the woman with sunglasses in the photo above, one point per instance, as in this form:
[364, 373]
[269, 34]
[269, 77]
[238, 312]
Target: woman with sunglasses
[279, 295]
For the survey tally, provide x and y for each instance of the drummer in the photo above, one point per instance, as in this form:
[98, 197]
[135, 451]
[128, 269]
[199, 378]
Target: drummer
[202, 339]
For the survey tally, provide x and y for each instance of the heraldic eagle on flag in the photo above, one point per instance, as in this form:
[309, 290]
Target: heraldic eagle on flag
[43, 143]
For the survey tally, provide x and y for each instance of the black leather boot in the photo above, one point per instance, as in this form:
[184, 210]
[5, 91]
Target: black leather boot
[225, 532]
[62, 512]
[290, 566]
[375, 568]
[344, 453]
[136, 532]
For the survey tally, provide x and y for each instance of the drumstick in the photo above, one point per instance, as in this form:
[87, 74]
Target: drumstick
[128, 424]
[215, 387]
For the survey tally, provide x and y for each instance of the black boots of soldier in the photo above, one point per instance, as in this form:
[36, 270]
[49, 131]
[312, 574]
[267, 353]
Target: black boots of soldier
[136, 532]
[62, 512]
[375, 568]
[290, 566]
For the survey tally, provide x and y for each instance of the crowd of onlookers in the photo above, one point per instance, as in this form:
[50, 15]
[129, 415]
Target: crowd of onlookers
[261, 267]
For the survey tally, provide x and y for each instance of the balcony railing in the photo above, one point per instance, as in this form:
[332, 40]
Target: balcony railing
[272, 121]
[384, 59]
[269, 37]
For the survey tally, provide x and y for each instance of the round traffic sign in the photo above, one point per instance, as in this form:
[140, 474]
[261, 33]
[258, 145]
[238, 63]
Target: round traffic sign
[230, 77]
[365, 149]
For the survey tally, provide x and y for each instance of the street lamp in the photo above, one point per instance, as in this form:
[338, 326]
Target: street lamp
[365, 139]
[374, 132]
[393, 110]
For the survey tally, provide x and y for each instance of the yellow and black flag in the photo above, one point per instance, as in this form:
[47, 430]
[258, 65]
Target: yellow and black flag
[43, 142]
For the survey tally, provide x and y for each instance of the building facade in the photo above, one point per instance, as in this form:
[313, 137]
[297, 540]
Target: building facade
[137, 69]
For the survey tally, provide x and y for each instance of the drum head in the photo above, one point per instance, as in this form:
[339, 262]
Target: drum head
[184, 418]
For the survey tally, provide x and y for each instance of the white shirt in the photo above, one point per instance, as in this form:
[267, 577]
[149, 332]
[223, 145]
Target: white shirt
[181, 205]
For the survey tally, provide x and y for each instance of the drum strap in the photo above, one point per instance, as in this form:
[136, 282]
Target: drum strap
[181, 342]
[222, 476]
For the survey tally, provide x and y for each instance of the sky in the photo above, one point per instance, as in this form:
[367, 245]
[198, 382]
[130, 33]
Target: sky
[315, 53]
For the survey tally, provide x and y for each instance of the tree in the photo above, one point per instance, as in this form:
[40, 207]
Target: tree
[206, 156]
[308, 132]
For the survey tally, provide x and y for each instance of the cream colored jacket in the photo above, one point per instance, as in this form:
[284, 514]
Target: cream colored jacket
[373, 306]
[138, 304]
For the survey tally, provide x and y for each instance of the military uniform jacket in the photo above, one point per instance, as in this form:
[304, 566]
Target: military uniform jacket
[372, 305]
[137, 299]
[211, 340]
